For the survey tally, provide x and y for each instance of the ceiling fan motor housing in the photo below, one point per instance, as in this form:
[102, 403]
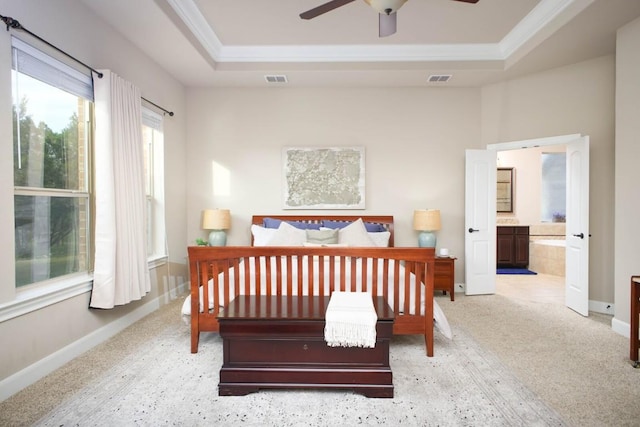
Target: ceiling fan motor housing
[386, 6]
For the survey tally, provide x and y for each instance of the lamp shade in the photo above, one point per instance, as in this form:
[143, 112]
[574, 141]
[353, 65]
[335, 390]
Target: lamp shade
[216, 219]
[426, 220]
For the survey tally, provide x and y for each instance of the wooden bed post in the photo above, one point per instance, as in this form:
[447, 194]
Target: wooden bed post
[195, 304]
[428, 308]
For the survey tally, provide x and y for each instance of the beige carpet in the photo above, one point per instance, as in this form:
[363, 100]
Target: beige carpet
[158, 382]
[578, 365]
[161, 384]
[543, 360]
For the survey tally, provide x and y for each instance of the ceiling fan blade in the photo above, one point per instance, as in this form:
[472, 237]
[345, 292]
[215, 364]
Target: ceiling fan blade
[388, 24]
[324, 8]
[468, 1]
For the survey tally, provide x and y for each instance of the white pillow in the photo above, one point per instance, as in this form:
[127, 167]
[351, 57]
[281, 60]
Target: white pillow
[355, 234]
[288, 235]
[261, 235]
[380, 238]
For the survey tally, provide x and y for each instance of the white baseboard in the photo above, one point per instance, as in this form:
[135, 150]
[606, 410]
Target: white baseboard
[602, 307]
[182, 288]
[622, 328]
[32, 373]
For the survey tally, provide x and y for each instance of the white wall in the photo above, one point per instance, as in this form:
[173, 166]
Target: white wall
[575, 99]
[414, 141]
[68, 24]
[627, 192]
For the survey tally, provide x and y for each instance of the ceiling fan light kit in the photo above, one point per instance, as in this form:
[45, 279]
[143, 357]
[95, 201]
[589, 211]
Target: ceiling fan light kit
[386, 8]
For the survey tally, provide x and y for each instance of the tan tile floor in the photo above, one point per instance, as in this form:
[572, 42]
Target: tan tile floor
[535, 288]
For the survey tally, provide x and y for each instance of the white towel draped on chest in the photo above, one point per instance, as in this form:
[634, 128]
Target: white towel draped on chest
[350, 320]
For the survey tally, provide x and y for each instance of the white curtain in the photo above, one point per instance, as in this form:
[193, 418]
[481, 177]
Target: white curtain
[121, 272]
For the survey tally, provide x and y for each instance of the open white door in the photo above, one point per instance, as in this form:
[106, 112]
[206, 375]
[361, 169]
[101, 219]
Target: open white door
[480, 222]
[577, 255]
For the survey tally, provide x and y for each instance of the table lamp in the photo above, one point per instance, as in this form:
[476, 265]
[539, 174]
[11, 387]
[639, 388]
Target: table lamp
[426, 221]
[216, 220]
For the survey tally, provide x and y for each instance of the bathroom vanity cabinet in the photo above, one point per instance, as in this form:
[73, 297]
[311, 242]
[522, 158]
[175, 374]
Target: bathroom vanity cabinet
[512, 246]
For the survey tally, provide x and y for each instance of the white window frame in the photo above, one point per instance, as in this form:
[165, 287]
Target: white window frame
[156, 235]
[53, 72]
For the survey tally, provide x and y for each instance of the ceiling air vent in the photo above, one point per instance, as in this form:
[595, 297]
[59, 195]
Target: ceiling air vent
[276, 79]
[439, 78]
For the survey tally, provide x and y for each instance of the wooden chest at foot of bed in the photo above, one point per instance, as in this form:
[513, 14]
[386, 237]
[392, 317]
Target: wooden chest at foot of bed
[278, 342]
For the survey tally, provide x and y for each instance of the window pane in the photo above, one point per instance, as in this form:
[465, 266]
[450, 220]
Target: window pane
[52, 122]
[554, 187]
[152, 140]
[51, 237]
[147, 147]
[49, 136]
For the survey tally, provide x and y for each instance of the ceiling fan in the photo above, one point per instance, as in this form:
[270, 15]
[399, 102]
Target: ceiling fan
[386, 9]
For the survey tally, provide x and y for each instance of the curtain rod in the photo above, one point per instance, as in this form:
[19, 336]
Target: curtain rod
[15, 24]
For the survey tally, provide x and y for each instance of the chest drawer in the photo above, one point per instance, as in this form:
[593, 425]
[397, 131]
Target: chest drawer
[274, 352]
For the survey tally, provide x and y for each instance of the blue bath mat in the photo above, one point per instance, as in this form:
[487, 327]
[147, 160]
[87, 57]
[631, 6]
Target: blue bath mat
[514, 271]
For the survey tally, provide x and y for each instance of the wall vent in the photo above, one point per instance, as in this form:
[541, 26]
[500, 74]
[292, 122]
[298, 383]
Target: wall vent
[276, 79]
[439, 78]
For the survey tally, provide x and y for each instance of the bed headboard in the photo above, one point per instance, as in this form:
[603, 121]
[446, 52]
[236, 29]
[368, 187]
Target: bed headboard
[385, 220]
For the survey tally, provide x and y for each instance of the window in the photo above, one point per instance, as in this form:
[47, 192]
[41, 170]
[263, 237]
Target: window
[52, 124]
[152, 138]
[554, 187]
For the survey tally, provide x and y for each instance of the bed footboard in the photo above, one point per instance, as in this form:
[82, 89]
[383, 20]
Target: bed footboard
[403, 276]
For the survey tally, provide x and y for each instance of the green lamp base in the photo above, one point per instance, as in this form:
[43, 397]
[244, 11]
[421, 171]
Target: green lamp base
[427, 239]
[217, 238]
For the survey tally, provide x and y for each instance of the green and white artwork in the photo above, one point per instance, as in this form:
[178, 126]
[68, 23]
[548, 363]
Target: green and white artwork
[324, 178]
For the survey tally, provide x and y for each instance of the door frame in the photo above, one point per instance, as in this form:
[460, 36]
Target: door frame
[533, 143]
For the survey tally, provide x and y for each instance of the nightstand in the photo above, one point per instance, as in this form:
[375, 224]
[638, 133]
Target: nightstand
[444, 275]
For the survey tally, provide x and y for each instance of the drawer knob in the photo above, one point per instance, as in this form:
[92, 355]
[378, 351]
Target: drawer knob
[305, 347]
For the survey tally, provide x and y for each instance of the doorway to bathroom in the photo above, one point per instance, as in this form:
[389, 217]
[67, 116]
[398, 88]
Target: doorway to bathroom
[539, 179]
[538, 201]
[480, 217]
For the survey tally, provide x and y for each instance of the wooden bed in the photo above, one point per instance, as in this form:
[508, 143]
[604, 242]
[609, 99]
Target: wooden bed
[272, 270]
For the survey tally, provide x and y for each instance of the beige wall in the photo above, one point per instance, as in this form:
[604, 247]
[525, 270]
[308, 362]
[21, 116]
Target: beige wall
[414, 141]
[70, 25]
[569, 100]
[627, 192]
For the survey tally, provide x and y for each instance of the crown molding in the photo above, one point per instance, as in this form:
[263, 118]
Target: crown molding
[188, 12]
[361, 53]
[538, 19]
[541, 17]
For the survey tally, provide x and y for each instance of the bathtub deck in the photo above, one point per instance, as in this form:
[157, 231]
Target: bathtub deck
[547, 258]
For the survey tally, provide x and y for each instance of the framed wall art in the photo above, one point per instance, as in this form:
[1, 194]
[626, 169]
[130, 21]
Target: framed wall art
[324, 178]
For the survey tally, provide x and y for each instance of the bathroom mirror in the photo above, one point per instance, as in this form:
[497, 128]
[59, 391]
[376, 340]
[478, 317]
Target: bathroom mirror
[504, 192]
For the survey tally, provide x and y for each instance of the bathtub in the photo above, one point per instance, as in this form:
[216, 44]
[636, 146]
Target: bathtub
[547, 256]
[549, 242]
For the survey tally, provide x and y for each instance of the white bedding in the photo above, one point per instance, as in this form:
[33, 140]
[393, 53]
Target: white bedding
[440, 319]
